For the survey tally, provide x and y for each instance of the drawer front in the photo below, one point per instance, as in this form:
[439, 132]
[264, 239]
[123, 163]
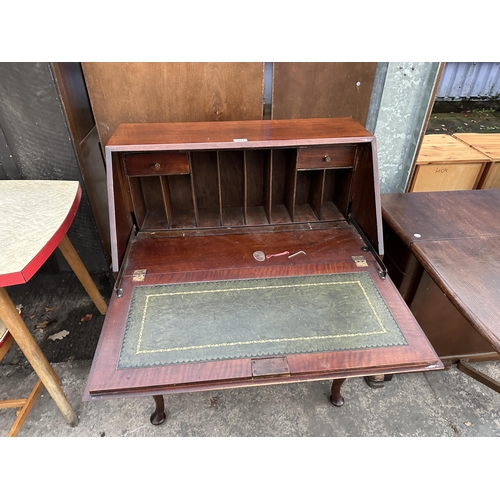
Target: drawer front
[331, 157]
[157, 164]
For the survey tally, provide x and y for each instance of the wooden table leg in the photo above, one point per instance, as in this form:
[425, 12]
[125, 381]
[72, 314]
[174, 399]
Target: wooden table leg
[19, 331]
[69, 253]
[468, 369]
[336, 398]
[158, 416]
[25, 409]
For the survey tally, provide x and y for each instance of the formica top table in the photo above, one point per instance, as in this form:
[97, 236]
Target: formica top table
[455, 236]
[34, 219]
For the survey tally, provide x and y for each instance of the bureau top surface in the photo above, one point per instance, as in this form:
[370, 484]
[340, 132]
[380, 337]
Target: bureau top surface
[236, 134]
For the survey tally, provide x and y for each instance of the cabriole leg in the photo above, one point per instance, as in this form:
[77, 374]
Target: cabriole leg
[158, 416]
[336, 399]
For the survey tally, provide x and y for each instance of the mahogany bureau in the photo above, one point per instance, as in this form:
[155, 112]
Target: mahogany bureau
[248, 253]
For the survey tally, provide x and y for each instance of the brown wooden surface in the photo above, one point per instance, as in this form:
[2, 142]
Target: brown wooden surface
[439, 215]
[235, 251]
[468, 270]
[459, 247]
[339, 157]
[157, 164]
[76, 105]
[173, 92]
[322, 89]
[221, 135]
[402, 266]
[366, 208]
[74, 97]
[230, 257]
[451, 335]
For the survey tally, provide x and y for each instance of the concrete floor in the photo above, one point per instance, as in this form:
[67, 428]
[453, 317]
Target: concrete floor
[446, 403]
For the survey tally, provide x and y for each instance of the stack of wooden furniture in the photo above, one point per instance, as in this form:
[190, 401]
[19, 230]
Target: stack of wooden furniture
[445, 163]
[248, 253]
[489, 146]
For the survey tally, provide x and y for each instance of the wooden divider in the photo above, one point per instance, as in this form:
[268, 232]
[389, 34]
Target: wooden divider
[240, 188]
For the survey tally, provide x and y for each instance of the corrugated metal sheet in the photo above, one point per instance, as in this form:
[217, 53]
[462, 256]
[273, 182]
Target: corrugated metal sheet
[470, 81]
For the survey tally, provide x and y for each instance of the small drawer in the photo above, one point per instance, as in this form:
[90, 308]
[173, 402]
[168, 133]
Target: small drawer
[331, 157]
[157, 164]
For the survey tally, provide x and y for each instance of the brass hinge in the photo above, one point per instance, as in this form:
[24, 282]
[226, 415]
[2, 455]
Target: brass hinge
[359, 260]
[139, 275]
[382, 272]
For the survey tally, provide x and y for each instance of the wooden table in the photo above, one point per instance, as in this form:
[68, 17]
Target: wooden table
[34, 219]
[443, 253]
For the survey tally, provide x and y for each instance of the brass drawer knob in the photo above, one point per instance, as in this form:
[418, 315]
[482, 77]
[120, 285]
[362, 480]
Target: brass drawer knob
[157, 166]
[327, 159]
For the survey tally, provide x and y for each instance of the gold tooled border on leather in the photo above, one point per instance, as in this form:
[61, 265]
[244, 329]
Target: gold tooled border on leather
[133, 344]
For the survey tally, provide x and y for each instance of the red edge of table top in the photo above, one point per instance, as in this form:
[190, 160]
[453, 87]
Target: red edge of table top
[32, 267]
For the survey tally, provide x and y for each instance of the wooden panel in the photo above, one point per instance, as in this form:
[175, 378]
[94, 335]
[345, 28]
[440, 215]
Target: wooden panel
[230, 251]
[340, 157]
[366, 209]
[94, 176]
[322, 89]
[258, 133]
[489, 145]
[491, 177]
[74, 98]
[471, 283]
[448, 331]
[449, 177]
[173, 92]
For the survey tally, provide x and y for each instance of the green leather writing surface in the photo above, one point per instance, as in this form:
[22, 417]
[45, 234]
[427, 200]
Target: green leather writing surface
[195, 322]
